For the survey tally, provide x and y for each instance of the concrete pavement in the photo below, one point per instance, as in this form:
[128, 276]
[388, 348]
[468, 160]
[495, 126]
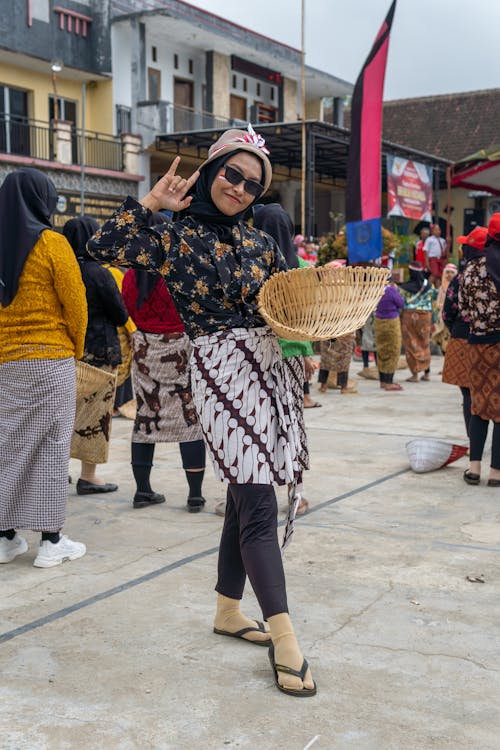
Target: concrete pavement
[115, 651]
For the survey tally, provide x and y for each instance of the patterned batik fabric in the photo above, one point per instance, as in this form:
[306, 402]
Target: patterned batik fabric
[456, 367]
[296, 374]
[485, 380]
[161, 376]
[388, 338]
[37, 411]
[336, 354]
[243, 396]
[416, 330]
[93, 420]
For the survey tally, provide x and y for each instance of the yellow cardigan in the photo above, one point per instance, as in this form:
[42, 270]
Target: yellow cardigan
[48, 317]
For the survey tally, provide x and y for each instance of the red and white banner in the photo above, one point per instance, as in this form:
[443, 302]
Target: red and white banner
[409, 189]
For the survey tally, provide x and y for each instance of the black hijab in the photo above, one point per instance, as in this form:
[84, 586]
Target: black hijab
[469, 253]
[78, 232]
[416, 283]
[27, 200]
[273, 219]
[147, 280]
[493, 261]
[203, 208]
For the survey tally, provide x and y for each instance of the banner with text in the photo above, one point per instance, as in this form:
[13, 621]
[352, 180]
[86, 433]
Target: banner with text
[409, 189]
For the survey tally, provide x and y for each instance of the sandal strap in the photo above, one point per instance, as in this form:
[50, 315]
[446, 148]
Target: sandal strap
[259, 629]
[294, 672]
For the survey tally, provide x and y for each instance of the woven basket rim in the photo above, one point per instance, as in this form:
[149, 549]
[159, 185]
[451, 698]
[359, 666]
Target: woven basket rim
[358, 289]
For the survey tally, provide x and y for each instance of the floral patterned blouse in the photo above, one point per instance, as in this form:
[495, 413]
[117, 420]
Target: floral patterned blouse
[214, 284]
[479, 301]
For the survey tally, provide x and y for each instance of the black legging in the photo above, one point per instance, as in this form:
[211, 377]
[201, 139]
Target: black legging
[192, 454]
[478, 433]
[342, 377]
[249, 546]
[466, 406]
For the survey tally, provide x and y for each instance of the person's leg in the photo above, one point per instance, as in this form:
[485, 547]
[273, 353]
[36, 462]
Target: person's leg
[11, 545]
[90, 484]
[257, 511]
[142, 455]
[466, 407]
[193, 462]
[365, 355]
[142, 462]
[322, 380]
[427, 374]
[478, 432]
[495, 453]
[231, 581]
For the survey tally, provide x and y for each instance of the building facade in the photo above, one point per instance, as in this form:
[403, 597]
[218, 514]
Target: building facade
[56, 105]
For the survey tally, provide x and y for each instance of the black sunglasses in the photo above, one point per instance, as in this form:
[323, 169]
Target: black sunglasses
[233, 176]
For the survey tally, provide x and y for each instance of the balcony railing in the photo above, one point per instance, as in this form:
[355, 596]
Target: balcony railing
[157, 118]
[23, 137]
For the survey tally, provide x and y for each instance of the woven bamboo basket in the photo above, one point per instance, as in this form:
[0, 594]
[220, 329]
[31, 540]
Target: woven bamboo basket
[314, 304]
[90, 379]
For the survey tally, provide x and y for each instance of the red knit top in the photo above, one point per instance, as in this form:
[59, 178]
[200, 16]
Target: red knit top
[158, 313]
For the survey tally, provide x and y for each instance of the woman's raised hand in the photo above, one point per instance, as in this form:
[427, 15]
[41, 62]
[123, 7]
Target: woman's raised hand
[169, 191]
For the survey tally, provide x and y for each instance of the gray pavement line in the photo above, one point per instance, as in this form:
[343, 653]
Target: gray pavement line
[10, 634]
[465, 546]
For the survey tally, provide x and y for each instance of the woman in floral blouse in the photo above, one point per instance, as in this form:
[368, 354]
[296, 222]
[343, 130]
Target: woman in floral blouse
[214, 265]
[479, 302]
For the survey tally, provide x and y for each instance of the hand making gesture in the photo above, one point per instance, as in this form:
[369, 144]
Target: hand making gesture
[169, 191]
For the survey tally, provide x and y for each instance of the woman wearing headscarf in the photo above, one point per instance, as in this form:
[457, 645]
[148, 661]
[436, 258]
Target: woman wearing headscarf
[456, 368]
[276, 222]
[214, 264]
[479, 302]
[43, 316]
[416, 321]
[162, 383]
[106, 311]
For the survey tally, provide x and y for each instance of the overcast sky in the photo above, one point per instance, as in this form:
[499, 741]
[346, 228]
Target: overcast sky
[437, 46]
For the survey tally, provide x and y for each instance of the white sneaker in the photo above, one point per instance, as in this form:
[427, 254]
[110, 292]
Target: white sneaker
[54, 554]
[11, 548]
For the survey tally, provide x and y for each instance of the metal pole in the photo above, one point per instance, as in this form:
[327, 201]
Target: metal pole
[56, 103]
[303, 108]
[82, 151]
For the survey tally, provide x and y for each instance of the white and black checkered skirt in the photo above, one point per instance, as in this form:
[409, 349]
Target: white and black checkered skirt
[37, 411]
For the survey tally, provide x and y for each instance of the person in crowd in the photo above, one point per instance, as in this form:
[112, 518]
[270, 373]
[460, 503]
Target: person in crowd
[479, 302]
[368, 345]
[214, 264]
[43, 317]
[441, 333]
[106, 311]
[161, 378]
[336, 357]
[387, 327]
[276, 222]
[419, 247]
[456, 368]
[416, 320]
[435, 252]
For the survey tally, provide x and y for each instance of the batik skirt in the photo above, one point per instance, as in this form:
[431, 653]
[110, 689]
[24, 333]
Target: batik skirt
[336, 355]
[456, 367]
[161, 375]
[485, 380]
[37, 411]
[93, 420]
[243, 396]
[388, 338]
[416, 330]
